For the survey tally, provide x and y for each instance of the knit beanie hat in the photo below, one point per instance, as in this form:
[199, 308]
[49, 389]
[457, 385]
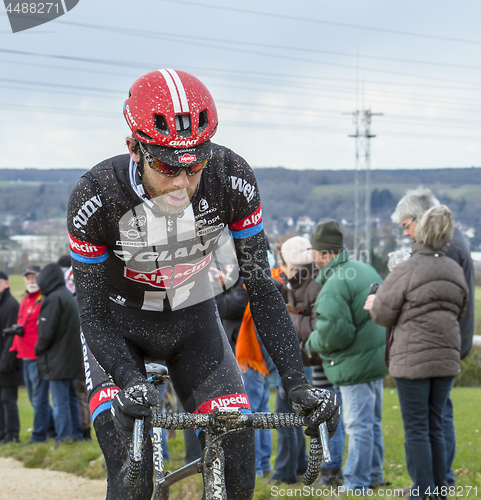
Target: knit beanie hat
[296, 252]
[3, 275]
[327, 237]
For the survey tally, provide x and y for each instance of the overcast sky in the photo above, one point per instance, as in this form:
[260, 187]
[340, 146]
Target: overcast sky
[286, 77]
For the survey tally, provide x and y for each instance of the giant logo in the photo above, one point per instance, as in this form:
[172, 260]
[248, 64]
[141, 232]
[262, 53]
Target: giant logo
[217, 472]
[130, 117]
[166, 255]
[186, 143]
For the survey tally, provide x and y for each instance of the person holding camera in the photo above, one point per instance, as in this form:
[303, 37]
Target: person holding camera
[24, 340]
[10, 366]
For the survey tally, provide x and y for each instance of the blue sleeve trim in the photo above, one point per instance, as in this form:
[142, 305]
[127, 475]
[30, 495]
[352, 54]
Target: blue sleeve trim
[103, 407]
[245, 233]
[89, 260]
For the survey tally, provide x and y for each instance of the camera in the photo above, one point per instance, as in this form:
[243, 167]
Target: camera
[374, 288]
[14, 330]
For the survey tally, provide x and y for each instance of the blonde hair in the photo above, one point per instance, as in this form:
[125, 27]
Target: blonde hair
[435, 227]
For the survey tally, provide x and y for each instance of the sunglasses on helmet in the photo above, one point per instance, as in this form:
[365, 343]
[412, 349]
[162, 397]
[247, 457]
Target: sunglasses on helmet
[170, 170]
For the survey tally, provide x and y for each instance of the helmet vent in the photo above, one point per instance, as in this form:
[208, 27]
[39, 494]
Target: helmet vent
[143, 135]
[203, 120]
[183, 125]
[161, 125]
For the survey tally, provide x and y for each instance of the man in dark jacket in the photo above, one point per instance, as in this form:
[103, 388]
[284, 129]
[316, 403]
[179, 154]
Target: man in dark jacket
[408, 212]
[302, 290]
[10, 366]
[59, 351]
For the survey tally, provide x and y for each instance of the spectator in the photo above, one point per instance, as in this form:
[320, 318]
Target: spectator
[422, 300]
[37, 388]
[352, 349]
[299, 291]
[59, 350]
[408, 211]
[80, 386]
[10, 366]
[302, 291]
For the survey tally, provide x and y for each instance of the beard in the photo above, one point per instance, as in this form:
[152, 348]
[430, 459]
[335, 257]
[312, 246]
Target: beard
[32, 288]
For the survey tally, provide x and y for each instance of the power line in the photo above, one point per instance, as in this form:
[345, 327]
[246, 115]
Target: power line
[288, 127]
[329, 23]
[55, 88]
[129, 64]
[215, 45]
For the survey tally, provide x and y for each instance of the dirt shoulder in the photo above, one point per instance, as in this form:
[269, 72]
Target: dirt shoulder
[20, 483]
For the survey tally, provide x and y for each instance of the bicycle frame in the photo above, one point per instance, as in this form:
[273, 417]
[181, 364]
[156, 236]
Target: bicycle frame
[216, 426]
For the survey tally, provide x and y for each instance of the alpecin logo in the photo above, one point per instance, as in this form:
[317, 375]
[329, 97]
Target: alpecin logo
[227, 401]
[187, 158]
[26, 15]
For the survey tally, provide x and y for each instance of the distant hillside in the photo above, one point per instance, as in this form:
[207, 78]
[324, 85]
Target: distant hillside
[69, 175]
[331, 193]
[32, 194]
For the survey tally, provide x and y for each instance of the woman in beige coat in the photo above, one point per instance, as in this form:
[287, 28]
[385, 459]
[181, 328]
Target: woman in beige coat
[421, 302]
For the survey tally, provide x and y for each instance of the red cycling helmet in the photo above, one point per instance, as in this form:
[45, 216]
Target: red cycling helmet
[171, 111]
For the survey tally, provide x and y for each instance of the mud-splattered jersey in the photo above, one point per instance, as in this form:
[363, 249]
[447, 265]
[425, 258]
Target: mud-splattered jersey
[127, 253]
[158, 261]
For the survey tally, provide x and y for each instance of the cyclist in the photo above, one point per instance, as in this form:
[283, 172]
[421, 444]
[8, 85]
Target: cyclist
[143, 229]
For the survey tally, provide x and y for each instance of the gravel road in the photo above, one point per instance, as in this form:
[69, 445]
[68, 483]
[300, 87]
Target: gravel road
[19, 483]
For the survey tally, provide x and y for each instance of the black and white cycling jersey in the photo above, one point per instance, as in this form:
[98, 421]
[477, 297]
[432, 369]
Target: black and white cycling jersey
[158, 261]
[128, 252]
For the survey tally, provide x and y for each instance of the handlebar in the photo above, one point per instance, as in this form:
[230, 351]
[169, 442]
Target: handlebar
[224, 420]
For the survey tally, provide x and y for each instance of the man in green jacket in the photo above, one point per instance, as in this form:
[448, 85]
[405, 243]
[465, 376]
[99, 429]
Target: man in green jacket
[352, 349]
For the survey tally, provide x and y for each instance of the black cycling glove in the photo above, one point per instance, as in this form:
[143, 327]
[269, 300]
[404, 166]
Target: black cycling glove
[322, 405]
[135, 401]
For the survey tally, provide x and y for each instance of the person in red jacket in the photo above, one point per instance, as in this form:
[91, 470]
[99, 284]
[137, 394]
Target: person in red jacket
[37, 388]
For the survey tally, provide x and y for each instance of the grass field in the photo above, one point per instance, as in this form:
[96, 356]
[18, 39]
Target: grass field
[85, 458]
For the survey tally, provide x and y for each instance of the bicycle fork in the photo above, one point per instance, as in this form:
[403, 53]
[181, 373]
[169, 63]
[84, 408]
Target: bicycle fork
[213, 470]
[158, 456]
